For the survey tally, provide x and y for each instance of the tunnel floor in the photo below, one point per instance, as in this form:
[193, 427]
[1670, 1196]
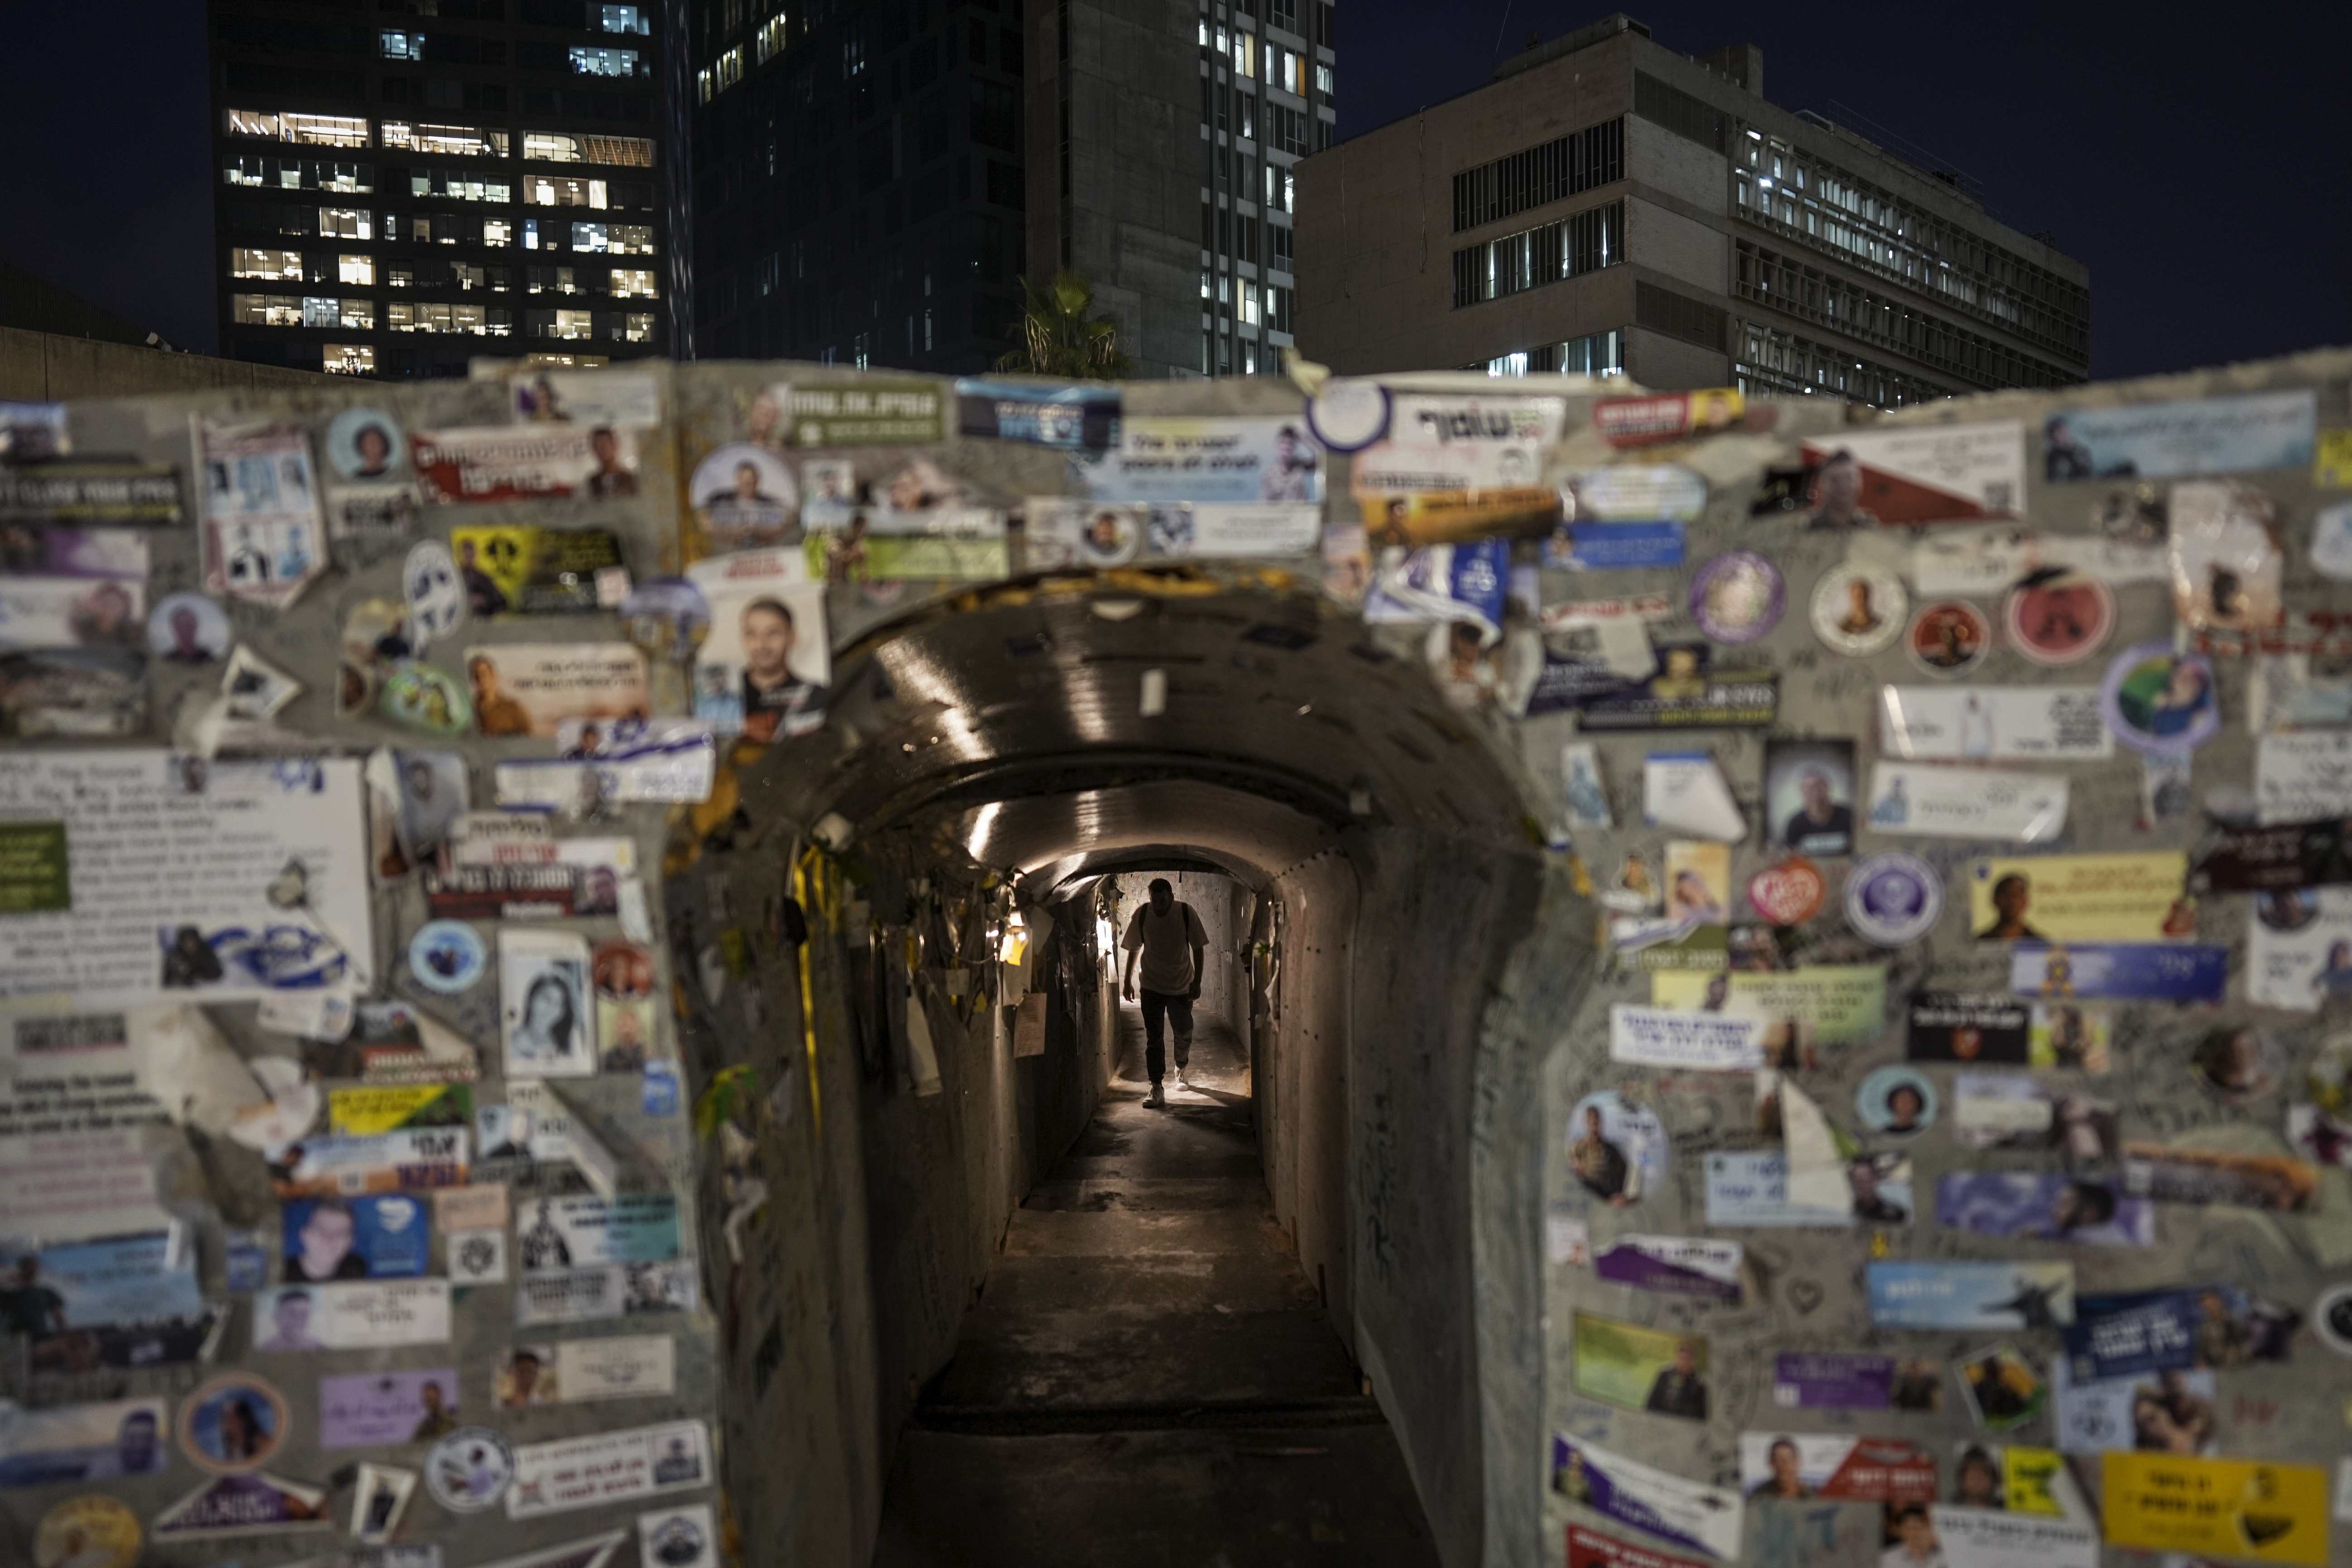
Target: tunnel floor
[1148, 1377]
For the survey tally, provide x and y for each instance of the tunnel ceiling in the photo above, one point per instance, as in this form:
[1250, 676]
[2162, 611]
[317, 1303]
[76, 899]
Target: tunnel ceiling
[1017, 728]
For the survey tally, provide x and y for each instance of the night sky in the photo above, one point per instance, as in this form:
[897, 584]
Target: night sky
[2197, 165]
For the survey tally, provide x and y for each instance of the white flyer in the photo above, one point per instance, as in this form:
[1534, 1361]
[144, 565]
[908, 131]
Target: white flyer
[549, 1021]
[350, 1315]
[606, 1290]
[264, 536]
[1997, 1538]
[1232, 530]
[1459, 443]
[1659, 1037]
[608, 1467]
[143, 875]
[2303, 776]
[1994, 723]
[581, 1372]
[1967, 803]
[1932, 473]
[1979, 563]
[2299, 949]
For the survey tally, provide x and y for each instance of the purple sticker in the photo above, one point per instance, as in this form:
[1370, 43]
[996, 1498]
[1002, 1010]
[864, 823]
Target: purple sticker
[2154, 971]
[1737, 596]
[2160, 701]
[371, 1409]
[1673, 1265]
[1893, 900]
[1831, 1381]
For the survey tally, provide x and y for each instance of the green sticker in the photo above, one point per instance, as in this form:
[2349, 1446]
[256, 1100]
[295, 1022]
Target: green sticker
[33, 878]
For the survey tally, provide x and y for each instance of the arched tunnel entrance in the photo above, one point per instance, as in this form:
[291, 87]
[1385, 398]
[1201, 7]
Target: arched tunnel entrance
[1372, 868]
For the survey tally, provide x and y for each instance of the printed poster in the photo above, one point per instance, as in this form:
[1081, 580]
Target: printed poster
[108, 1441]
[606, 1290]
[525, 462]
[549, 1023]
[1231, 530]
[2174, 440]
[1688, 1513]
[608, 1467]
[1451, 443]
[531, 689]
[1638, 1368]
[1926, 473]
[1994, 723]
[2169, 1412]
[2303, 777]
[1674, 1265]
[406, 1160]
[1075, 417]
[2081, 897]
[378, 1409]
[1655, 1037]
[2082, 1211]
[1967, 803]
[187, 879]
[263, 534]
[582, 1230]
[586, 397]
[621, 762]
[582, 1371]
[1987, 1538]
[1984, 563]
[764, 669]
[1749, 1189]
[72, 612]
[1239, 459]
[1783, 1468]
[2245, 1509]
[1832, 1003]
[90, 492]
[2299, 950]
[359, 1315]
[377, 1236]
[255, 1504]
[1971, 1295]
[2147, 1332]
[1838, 1380]
[2155, 972]
[876, 411]
[2173, 1175]
[365, 1111]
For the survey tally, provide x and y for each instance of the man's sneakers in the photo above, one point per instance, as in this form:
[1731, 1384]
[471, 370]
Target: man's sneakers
[1182, 1076]
[1155, 1098]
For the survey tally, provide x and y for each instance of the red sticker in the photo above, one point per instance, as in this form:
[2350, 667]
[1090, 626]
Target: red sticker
[1949, 638]
[2059, 617]
[1790, 893]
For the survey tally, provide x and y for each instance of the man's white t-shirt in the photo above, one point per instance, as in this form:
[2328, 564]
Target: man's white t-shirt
[1167, 941]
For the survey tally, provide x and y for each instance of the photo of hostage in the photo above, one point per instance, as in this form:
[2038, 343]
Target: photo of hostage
[1167, 940]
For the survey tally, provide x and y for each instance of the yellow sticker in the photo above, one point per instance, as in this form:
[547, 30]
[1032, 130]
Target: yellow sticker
[370, 1109]
[2081, 897]
[87, 1532]
[2031, 1476]
[2224, 1508]
[2331, 469]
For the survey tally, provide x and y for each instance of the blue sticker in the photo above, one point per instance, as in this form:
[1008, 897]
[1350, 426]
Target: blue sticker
[447, 956]
[2155, 972]
[248, 1260]
[661, 1088]
[2160, 701]
[1971, 1295]
[1613, 546]
[1893, 900]
[373, 1237]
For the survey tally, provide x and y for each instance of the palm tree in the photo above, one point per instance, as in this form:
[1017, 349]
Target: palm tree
[1059, 338]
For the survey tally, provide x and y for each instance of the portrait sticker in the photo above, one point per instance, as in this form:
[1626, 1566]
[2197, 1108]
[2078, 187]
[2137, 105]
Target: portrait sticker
[763, 670]
[469, 1471]
[1949, 638]
[365, 444]
[1617, 1151]
[378, 1409]
[531, 689]
[1638, 1368]
[1859, 610]
[547, 1021]
[2174, 440]
[2015, 1295]
[745, 498]
[2059, 617]
[188, 629]
[1994, 723]
[2158, 701]
[2043, 1206]
[1657, 1502]
[351, 1315]
[2081, 897]
[233, 1424]
[109, 1441]
[609, 1467]
[380, 1237]
[1927, 473]
[525, 462]
[1809, 796]
[1967, 803]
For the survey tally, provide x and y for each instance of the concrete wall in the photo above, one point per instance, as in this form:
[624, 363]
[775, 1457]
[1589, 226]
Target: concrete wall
[42, 367]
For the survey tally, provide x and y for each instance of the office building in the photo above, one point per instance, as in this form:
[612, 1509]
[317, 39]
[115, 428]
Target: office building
[1606, 204]
[870, 183]
[404, 189]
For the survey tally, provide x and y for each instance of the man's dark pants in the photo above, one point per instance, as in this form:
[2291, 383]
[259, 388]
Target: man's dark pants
[1176, 1009]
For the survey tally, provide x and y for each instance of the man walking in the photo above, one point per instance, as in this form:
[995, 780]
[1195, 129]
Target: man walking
[1167, 937]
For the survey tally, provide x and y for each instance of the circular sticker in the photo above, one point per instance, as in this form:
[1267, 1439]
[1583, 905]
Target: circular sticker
[87, 1532]
[1737, 596]
[2240, 1064]
[666, 618]
[1893, 900]
[2160, 701]
[436, 593]
[2059, 617]
[1790, 893]
[1859, 610]
[426, 698]
[1898, 1101]
[623, 971]
[1949, 638]
[233, 1424]
[447, 956]
[469, 1469]
[2331, 542]
[1112, 535]
[365, 444]
[1349, 413]
[2332, 1316]
[745, 497]
[188, 628]
[1618, 1152]
[680, 1541]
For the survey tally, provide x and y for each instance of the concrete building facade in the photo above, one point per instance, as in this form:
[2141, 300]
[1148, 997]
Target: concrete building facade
[404, 190]
[1607, 204]
[870, 183]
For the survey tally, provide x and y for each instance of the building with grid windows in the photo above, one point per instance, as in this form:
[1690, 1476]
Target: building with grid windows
[871, 183]
[407, 186]
[1606, 204]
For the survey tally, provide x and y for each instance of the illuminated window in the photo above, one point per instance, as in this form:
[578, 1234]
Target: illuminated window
[530, 235]
[1323, 79]
[497, 232]
[399, 45]
[634, 283]
[638, 329]
[266, 310]
[591, 61]
[316, 129]
[550, 280]
[624, 18]
[702, 86]
[1249, 303]
[360, 269]
[619, 238]
[459, 184]
[572, 324]
[431, 318]
[298, 173]
[554, 191]
[347, 223]
[445, 140]
[350, 359]
[286, 264]
[467, 277]
[568, 147]
[729, 70]
[770, 43]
